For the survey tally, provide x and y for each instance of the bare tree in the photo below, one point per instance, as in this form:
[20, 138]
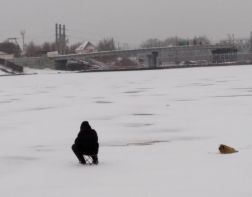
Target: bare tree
[200, 40]
[176, 41]
[10, 48]
[107, 44]
[171, 41]
[71, 49]
[47, 47]
[33, 50]
[152, 42]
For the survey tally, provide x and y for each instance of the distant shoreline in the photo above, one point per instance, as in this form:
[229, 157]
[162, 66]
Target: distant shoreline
[167, 67]
[138, 69]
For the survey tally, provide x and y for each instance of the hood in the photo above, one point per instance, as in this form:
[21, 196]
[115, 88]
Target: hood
[85, 126]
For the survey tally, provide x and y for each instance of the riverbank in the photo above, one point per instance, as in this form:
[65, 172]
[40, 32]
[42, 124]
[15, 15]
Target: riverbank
[29, 71]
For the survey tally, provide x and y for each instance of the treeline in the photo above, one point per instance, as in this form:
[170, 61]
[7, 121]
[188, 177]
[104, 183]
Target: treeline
[242, 45]
[32, 49]
[175, 41]
[108, 44]
[35, 50]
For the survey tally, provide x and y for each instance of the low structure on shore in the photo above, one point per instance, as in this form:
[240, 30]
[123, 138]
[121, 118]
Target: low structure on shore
[146, 58]
[86, 47]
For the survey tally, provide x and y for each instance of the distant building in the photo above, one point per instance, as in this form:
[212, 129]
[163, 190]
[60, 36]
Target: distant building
[86, 47]
[6, 56]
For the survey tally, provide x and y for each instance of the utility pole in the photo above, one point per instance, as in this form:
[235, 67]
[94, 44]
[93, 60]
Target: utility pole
[57, 37]
[60, 39]
[233, 40]
[251, 42]
[23, 40]
[251, 46]
[64, 40]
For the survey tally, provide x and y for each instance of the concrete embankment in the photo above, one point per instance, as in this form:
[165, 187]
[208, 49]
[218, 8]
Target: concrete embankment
[10, 67]
[34, 62]
[45, 62]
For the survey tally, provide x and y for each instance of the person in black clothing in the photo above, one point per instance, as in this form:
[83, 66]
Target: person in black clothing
[86, 143]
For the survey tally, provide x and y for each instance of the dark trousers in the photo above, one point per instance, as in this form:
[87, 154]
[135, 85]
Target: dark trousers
[80, 155]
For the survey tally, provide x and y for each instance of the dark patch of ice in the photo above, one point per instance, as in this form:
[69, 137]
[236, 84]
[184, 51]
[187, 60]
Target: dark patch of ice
[202, 84]
[145, 88]
[19, 158]
[133, 92]
[70, 97]
[222, 81]
[9, 101]
[28, 94]
[195, 84]
[50, 87]
[153, 142]
[6, 101]
[184, 100]
[6, 95]
[104, 102]
[42, 148]
[143, 114]
[246, 89]
[138, 124]
[143, 143]
[146, 143]
[188, 138]
[234, 95]
[41, 108]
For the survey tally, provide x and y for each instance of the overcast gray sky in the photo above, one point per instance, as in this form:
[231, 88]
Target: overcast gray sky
[131, 21]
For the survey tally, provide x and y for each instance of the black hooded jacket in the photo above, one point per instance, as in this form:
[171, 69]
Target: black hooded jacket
[87, 140]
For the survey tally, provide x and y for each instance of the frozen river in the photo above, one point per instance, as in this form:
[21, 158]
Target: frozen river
[159, 133]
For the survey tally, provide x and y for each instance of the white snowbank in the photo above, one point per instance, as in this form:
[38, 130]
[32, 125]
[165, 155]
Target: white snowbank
[2, 72]
[28, 70]
[159, 133]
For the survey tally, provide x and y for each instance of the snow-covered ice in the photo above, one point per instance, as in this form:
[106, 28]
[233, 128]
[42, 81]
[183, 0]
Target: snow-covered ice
[2, 73]
[29, 71]
[159, 133]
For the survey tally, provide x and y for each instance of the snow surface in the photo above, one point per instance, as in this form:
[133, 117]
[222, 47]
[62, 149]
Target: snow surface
[159, 133]
[2, 72]
[28, 70]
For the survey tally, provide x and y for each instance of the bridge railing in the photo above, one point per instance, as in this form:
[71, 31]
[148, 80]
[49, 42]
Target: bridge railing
[228, 58]
[133, 52]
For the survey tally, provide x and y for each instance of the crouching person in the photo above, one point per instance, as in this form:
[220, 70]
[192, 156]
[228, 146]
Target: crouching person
[86, 143]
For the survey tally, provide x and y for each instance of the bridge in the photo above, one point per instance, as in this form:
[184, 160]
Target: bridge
[151, 54]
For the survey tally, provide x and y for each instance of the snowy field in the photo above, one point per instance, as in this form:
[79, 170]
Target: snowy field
[159, 133]
[2, 73]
